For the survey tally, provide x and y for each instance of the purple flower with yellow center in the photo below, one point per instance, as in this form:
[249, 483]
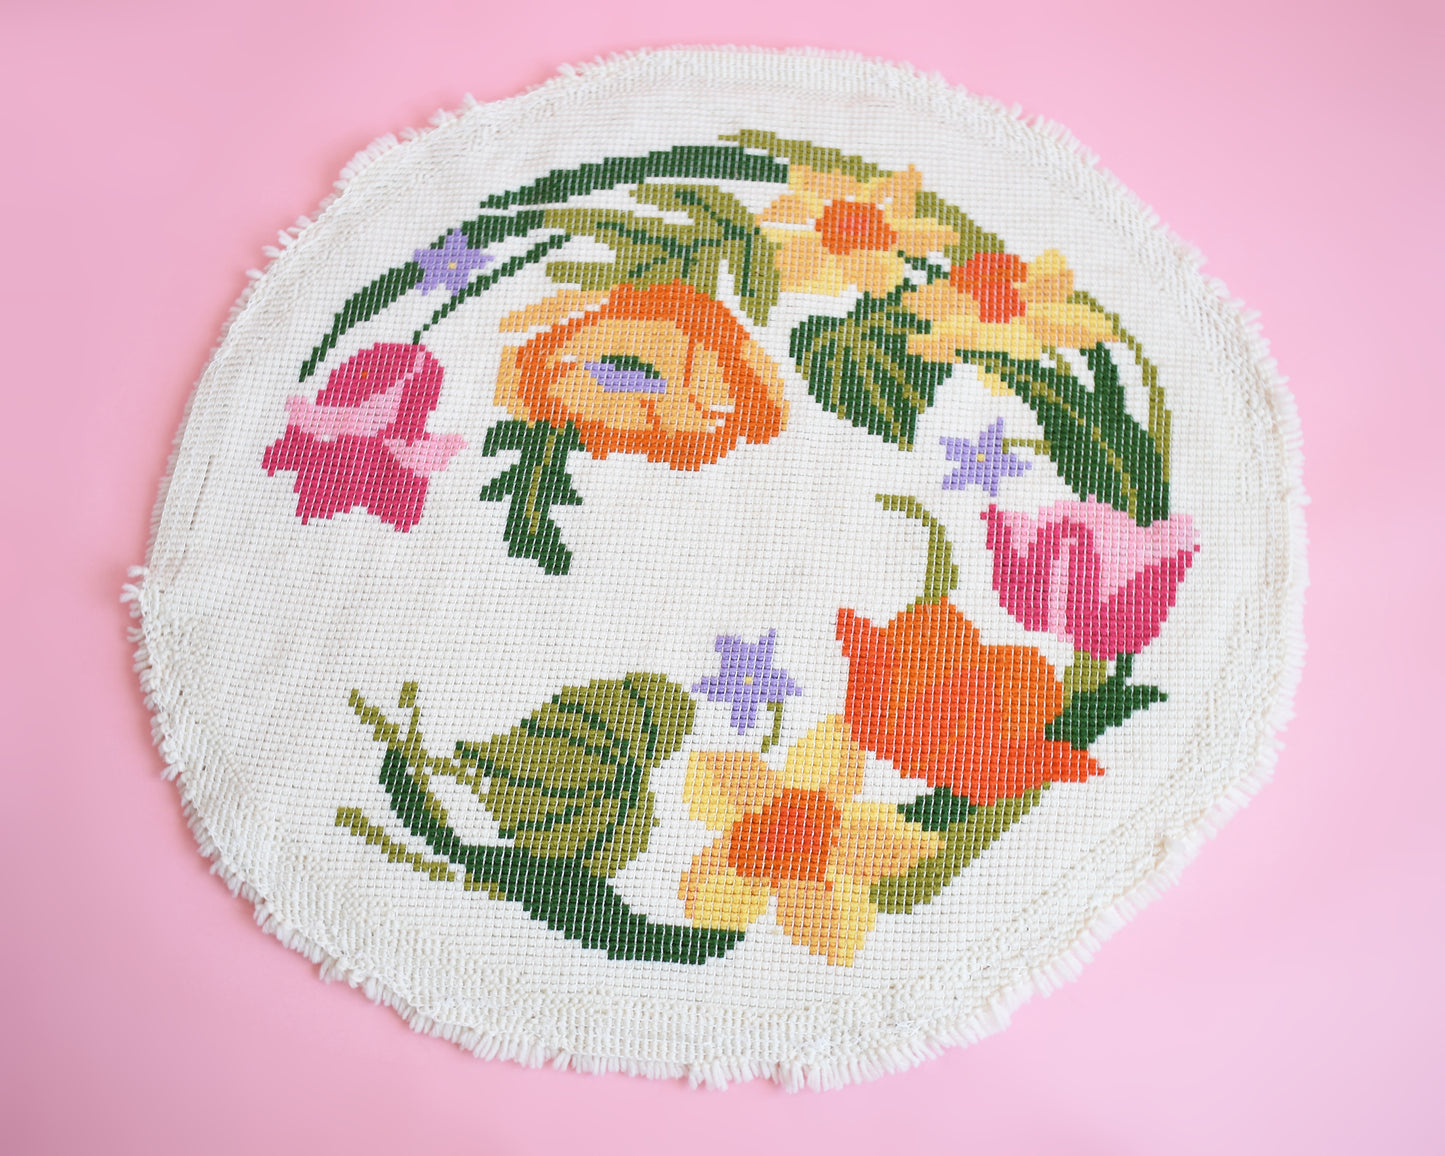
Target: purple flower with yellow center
[983, 461]
[450, 267]
[748, 679]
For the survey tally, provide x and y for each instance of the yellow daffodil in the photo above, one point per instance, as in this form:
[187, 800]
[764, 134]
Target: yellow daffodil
[799, 835]
[996, 302]
[835, 231]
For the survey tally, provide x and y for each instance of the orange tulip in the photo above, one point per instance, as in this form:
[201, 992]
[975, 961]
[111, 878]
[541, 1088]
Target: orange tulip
[662, 370]
[929, 696]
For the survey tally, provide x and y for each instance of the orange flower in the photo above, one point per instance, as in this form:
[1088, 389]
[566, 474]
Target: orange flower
[926, 694]
[663, 371]
[800, 835]
[996, 302]
[839, 231]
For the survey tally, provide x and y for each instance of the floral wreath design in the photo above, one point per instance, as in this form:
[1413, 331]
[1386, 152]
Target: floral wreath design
[640, 354]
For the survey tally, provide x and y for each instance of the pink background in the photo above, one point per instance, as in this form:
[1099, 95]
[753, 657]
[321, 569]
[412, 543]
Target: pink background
[1282, 999]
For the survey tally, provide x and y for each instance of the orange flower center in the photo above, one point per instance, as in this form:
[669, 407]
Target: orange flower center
[989, 279]
[849, 225]
[790, 838]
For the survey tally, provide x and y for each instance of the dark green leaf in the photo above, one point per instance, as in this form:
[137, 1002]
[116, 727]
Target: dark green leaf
[651, 251]
[535, 484]
[570, 781]
[1096, 446]
[859, 367]
[1092, 712]
[562, 893]
[366, 303]
[689, 162]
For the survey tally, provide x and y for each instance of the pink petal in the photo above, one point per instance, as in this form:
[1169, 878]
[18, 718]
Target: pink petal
[327, 422]
[428, 455]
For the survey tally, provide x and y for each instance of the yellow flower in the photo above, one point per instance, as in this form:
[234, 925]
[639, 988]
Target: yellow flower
[996, 302]
[801, 836]
[836, 231]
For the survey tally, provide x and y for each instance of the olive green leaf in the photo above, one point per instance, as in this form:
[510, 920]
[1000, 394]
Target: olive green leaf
[802, 152]
[971, 238]
[859, 366]
[965, 831]
[570, 781]
[649, 250]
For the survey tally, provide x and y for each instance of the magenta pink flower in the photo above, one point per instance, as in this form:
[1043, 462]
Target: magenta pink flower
[1088, 573]
[363, 441]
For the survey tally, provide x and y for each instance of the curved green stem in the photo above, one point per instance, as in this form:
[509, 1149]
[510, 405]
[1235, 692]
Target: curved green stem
[559, 892]
[940, 574]
[772, 739]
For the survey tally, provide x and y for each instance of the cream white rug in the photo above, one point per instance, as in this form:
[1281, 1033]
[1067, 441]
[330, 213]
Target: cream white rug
[729, 564]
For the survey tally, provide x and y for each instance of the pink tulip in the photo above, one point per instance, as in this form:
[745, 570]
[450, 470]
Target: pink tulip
[1088, 573]
[364, 441]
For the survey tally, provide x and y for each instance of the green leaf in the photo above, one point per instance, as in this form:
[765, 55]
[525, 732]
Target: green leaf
[1090, 713]
[688, 162]
[535, 484]
[802, 152]
[1098, 449]
[859, 367]
[570, 781]
[652, 251]
[564, 894]
[966, 832]
[971, 238]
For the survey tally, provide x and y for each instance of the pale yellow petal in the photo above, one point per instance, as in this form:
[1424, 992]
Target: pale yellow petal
[826, 759]
[918, 236]
[721, 785]
[939, 302]
[715, 895]
[509, 380]
[545, 314]
[1049, 278]
[829, 920]
[826, 187]
[874, 840]
[871, 270]
[1075, 326]
[792, 209]
[803, 263]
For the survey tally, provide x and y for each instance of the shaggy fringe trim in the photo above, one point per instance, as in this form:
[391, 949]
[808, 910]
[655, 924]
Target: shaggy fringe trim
[182, 745]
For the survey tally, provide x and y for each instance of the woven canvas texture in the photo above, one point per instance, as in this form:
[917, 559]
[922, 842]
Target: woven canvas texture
[729, 564]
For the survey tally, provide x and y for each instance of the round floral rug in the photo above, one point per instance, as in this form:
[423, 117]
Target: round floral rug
[729, 564]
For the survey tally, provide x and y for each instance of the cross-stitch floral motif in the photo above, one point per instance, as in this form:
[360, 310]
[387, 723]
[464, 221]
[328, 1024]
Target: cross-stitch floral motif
[1089, 574]
[801, 836]
[658, 351]
[835, 231]
[709, 384]
[451, 266]
[983, 462]
[998, 302]
[363, 441]
[926, 693]
[748, 679]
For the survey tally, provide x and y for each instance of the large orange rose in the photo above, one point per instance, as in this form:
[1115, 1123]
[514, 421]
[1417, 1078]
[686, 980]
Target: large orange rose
[929, 696]
[663, 371]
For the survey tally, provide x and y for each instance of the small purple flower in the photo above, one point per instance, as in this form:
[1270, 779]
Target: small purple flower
[982, 462]
[451, 266]
[747, 679]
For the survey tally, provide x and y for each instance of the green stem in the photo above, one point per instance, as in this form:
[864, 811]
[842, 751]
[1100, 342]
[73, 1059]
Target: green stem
[771, 740]
[940, 574]
[487, 280]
